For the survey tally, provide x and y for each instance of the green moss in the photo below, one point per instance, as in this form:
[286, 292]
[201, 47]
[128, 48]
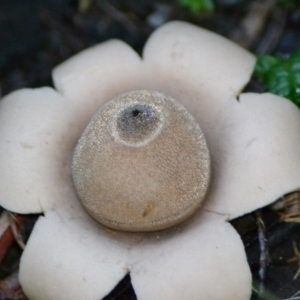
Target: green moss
[198, 6]
[280, 76]
[289, 5]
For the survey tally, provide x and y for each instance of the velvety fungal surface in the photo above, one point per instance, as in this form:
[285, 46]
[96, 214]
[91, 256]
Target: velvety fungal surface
[142, 164]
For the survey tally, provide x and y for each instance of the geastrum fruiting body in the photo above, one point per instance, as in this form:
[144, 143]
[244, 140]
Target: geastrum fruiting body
[117, 147]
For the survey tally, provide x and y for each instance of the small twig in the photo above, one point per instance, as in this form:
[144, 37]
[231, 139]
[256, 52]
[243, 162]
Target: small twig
[291, 208]
[14, 223]
[252, 25]
[117, 16]
[264, 253]
[9, 231]
[6, 238]
[295, 258]
[273, 32]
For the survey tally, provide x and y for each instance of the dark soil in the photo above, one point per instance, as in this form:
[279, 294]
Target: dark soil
[37, 35]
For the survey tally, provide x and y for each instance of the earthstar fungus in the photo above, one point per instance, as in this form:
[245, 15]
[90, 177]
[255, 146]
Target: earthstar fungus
[254, 150]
